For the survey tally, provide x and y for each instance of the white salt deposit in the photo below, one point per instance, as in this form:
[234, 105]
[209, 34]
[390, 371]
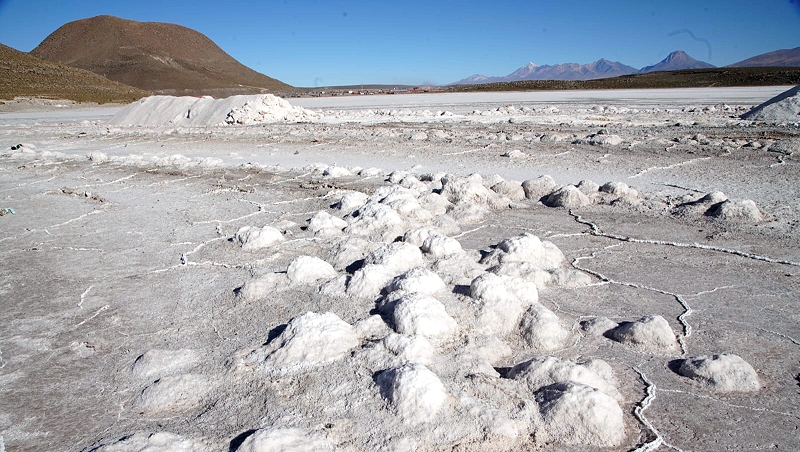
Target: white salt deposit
[263, 286]
[415, 392]
[540, 372]
[253, 238]
[618, 189]
[650, 332]
[207, 111]
[351, 201]
[154, 442]
[325, 224]
[309, 269]
[745, 210]
[308, 340]
[377, 222]
[511, 189]
[336, 171]
[369, 280]
[465, 190]
[721, 373]
[417, 236]
[784, 107]
[580, 415]
[157, 362]
[439, 246]
[410, 348]
[275, 439]
[567, 196]
[348, 250]
[542, 329]
[418, 313]
[398, 256]
[502, 302]
[536, 189]
[526, 248]
[173, 393]
[418, 279]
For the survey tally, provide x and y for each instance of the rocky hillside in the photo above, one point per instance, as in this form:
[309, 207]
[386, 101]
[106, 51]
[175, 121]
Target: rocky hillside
[23, 75]
[778, 58]
[159, 57]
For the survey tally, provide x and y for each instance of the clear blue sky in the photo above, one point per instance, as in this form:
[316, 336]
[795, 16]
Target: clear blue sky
[342, 42]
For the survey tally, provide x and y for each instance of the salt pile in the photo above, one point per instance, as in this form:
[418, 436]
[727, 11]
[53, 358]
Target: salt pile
[207, 111]
[784, 107]
[284, 439]
[721, 373]
[161, 441]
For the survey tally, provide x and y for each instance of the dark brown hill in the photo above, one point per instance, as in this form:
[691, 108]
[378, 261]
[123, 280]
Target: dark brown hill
[159, 57]
[23, 75]
[782, 58]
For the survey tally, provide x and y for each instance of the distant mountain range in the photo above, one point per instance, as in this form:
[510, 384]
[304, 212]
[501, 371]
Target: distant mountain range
[602, 68]
[784, 57]
[158, 57]
[676, 61]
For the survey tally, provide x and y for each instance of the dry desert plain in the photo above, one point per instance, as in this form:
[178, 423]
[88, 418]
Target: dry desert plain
[394, 273]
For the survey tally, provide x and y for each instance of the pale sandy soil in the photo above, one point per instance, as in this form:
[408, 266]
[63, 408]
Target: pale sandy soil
[135, 250]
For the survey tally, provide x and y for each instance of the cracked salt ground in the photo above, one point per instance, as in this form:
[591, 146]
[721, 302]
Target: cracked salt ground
[427, 311]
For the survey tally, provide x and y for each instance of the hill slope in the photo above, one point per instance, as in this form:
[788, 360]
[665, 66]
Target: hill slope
[23, 75]
[159, 57]
[676, 61]
[778, 58]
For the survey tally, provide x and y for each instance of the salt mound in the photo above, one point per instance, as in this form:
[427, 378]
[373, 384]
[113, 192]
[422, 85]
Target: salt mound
[398, 256]
[722, 373]
[618, 189]
[502, 302]
[263, 286]
[579, 415]
[567, 196]
[784, 107]
[377, 222]
[154, 442]
[419, 280]
[536, 189]
[418, 313]
[560, 277]
[173, 393]
[409, 349]
[253, 238]
[542, 330]
[207, 111]
[284, 439]
[438, 246]
[310, 339]
[351, 201]
[157, 363]
[369, 280]
[540, 372]
[652, 331]
[465, 190]
[308, 269]
[415, 392]
[325, 224]
[511, 189]
[733, 210]
[526, 248]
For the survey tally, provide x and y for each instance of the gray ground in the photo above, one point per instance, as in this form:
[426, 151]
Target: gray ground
[107, 259]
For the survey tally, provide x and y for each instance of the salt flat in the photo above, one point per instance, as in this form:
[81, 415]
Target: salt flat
[379, 277]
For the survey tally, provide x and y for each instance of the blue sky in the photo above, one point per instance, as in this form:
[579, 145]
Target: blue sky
[343, 42]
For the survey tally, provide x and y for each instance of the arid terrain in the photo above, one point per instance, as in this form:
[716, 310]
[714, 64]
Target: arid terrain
[395, 273]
